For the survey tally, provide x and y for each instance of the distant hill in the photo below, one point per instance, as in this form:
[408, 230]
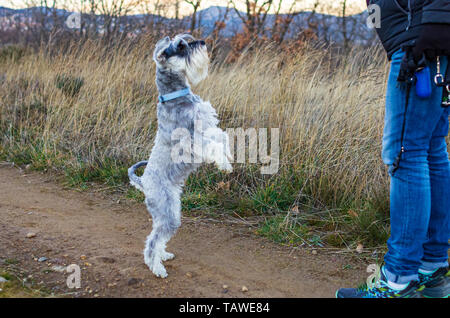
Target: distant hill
[329, 27]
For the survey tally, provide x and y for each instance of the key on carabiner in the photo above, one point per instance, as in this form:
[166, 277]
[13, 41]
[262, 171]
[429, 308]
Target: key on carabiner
[446, 101]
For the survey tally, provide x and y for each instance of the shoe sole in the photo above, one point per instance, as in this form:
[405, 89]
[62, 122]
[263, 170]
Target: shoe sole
[415, 295]
[438, 292]
[425, 296]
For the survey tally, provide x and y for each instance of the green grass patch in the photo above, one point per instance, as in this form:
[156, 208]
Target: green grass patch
[282, 229]
[69, 85]
[292, 213]
[109, 172]
[11, 53]
[11, 261]
[134, 194]
[14, 287]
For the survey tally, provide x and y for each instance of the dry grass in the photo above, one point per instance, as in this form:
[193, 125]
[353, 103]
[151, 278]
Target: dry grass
[329, 110]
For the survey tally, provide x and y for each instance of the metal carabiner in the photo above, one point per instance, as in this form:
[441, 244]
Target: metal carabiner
[439, 78]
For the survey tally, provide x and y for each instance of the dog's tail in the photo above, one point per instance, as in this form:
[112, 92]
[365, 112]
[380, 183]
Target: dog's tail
[134, 179]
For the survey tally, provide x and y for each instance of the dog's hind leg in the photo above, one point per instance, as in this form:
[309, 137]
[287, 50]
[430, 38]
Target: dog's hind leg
[166, 220]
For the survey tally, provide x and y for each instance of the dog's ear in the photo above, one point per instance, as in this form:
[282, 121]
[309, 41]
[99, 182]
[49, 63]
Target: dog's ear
[161, 45]
[160, 57]
[186, 36]
[163, 41]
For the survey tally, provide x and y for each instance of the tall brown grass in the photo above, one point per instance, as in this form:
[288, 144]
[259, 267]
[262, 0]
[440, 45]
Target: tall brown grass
[329, 109]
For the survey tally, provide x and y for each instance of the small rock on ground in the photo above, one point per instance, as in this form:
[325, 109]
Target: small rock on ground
[133, 281]
[59, 268]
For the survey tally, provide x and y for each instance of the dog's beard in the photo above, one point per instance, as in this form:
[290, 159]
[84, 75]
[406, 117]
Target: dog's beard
[197, 66]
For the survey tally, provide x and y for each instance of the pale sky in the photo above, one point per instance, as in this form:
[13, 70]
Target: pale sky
[327, 6]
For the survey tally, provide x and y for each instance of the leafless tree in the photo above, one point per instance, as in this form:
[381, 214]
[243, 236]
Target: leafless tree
[155, 13]
[110, 21]
[45, 23]
[113, 13]
[177, 9]
[255, 15]
[283, 20]
[344, 24]
[195, 6]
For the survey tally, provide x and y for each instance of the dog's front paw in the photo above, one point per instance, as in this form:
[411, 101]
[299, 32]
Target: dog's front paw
[166, 256]
[158, 269]
[225, 166]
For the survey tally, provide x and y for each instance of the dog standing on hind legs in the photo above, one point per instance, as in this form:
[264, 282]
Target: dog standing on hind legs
[179, 62]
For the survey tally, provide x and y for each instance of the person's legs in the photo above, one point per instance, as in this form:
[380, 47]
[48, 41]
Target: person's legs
[420, 194]
[436, 246]
[411, 189]
[410, 212]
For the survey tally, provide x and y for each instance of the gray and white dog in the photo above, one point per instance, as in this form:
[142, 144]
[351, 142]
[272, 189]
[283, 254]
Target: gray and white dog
[179, 62]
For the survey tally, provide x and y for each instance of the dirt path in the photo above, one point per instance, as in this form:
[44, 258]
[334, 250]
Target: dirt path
[111, 235]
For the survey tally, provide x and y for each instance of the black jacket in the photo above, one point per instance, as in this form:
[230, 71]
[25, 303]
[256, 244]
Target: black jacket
[401, 20]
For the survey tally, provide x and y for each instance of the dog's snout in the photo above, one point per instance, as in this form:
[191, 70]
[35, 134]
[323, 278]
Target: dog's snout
[196, 44]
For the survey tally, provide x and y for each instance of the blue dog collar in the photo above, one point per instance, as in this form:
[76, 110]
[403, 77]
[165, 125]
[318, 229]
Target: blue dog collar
[174, 95]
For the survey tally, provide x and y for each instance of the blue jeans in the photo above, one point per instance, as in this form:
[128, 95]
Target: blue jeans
[420, 187]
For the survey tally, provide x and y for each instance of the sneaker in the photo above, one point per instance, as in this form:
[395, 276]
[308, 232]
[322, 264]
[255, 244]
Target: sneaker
[381, 289]
[437, 283]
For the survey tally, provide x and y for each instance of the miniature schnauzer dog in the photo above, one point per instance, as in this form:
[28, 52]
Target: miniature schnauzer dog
[180, 62]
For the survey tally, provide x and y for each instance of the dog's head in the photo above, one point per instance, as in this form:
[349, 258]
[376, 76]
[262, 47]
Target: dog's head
[184, 55]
